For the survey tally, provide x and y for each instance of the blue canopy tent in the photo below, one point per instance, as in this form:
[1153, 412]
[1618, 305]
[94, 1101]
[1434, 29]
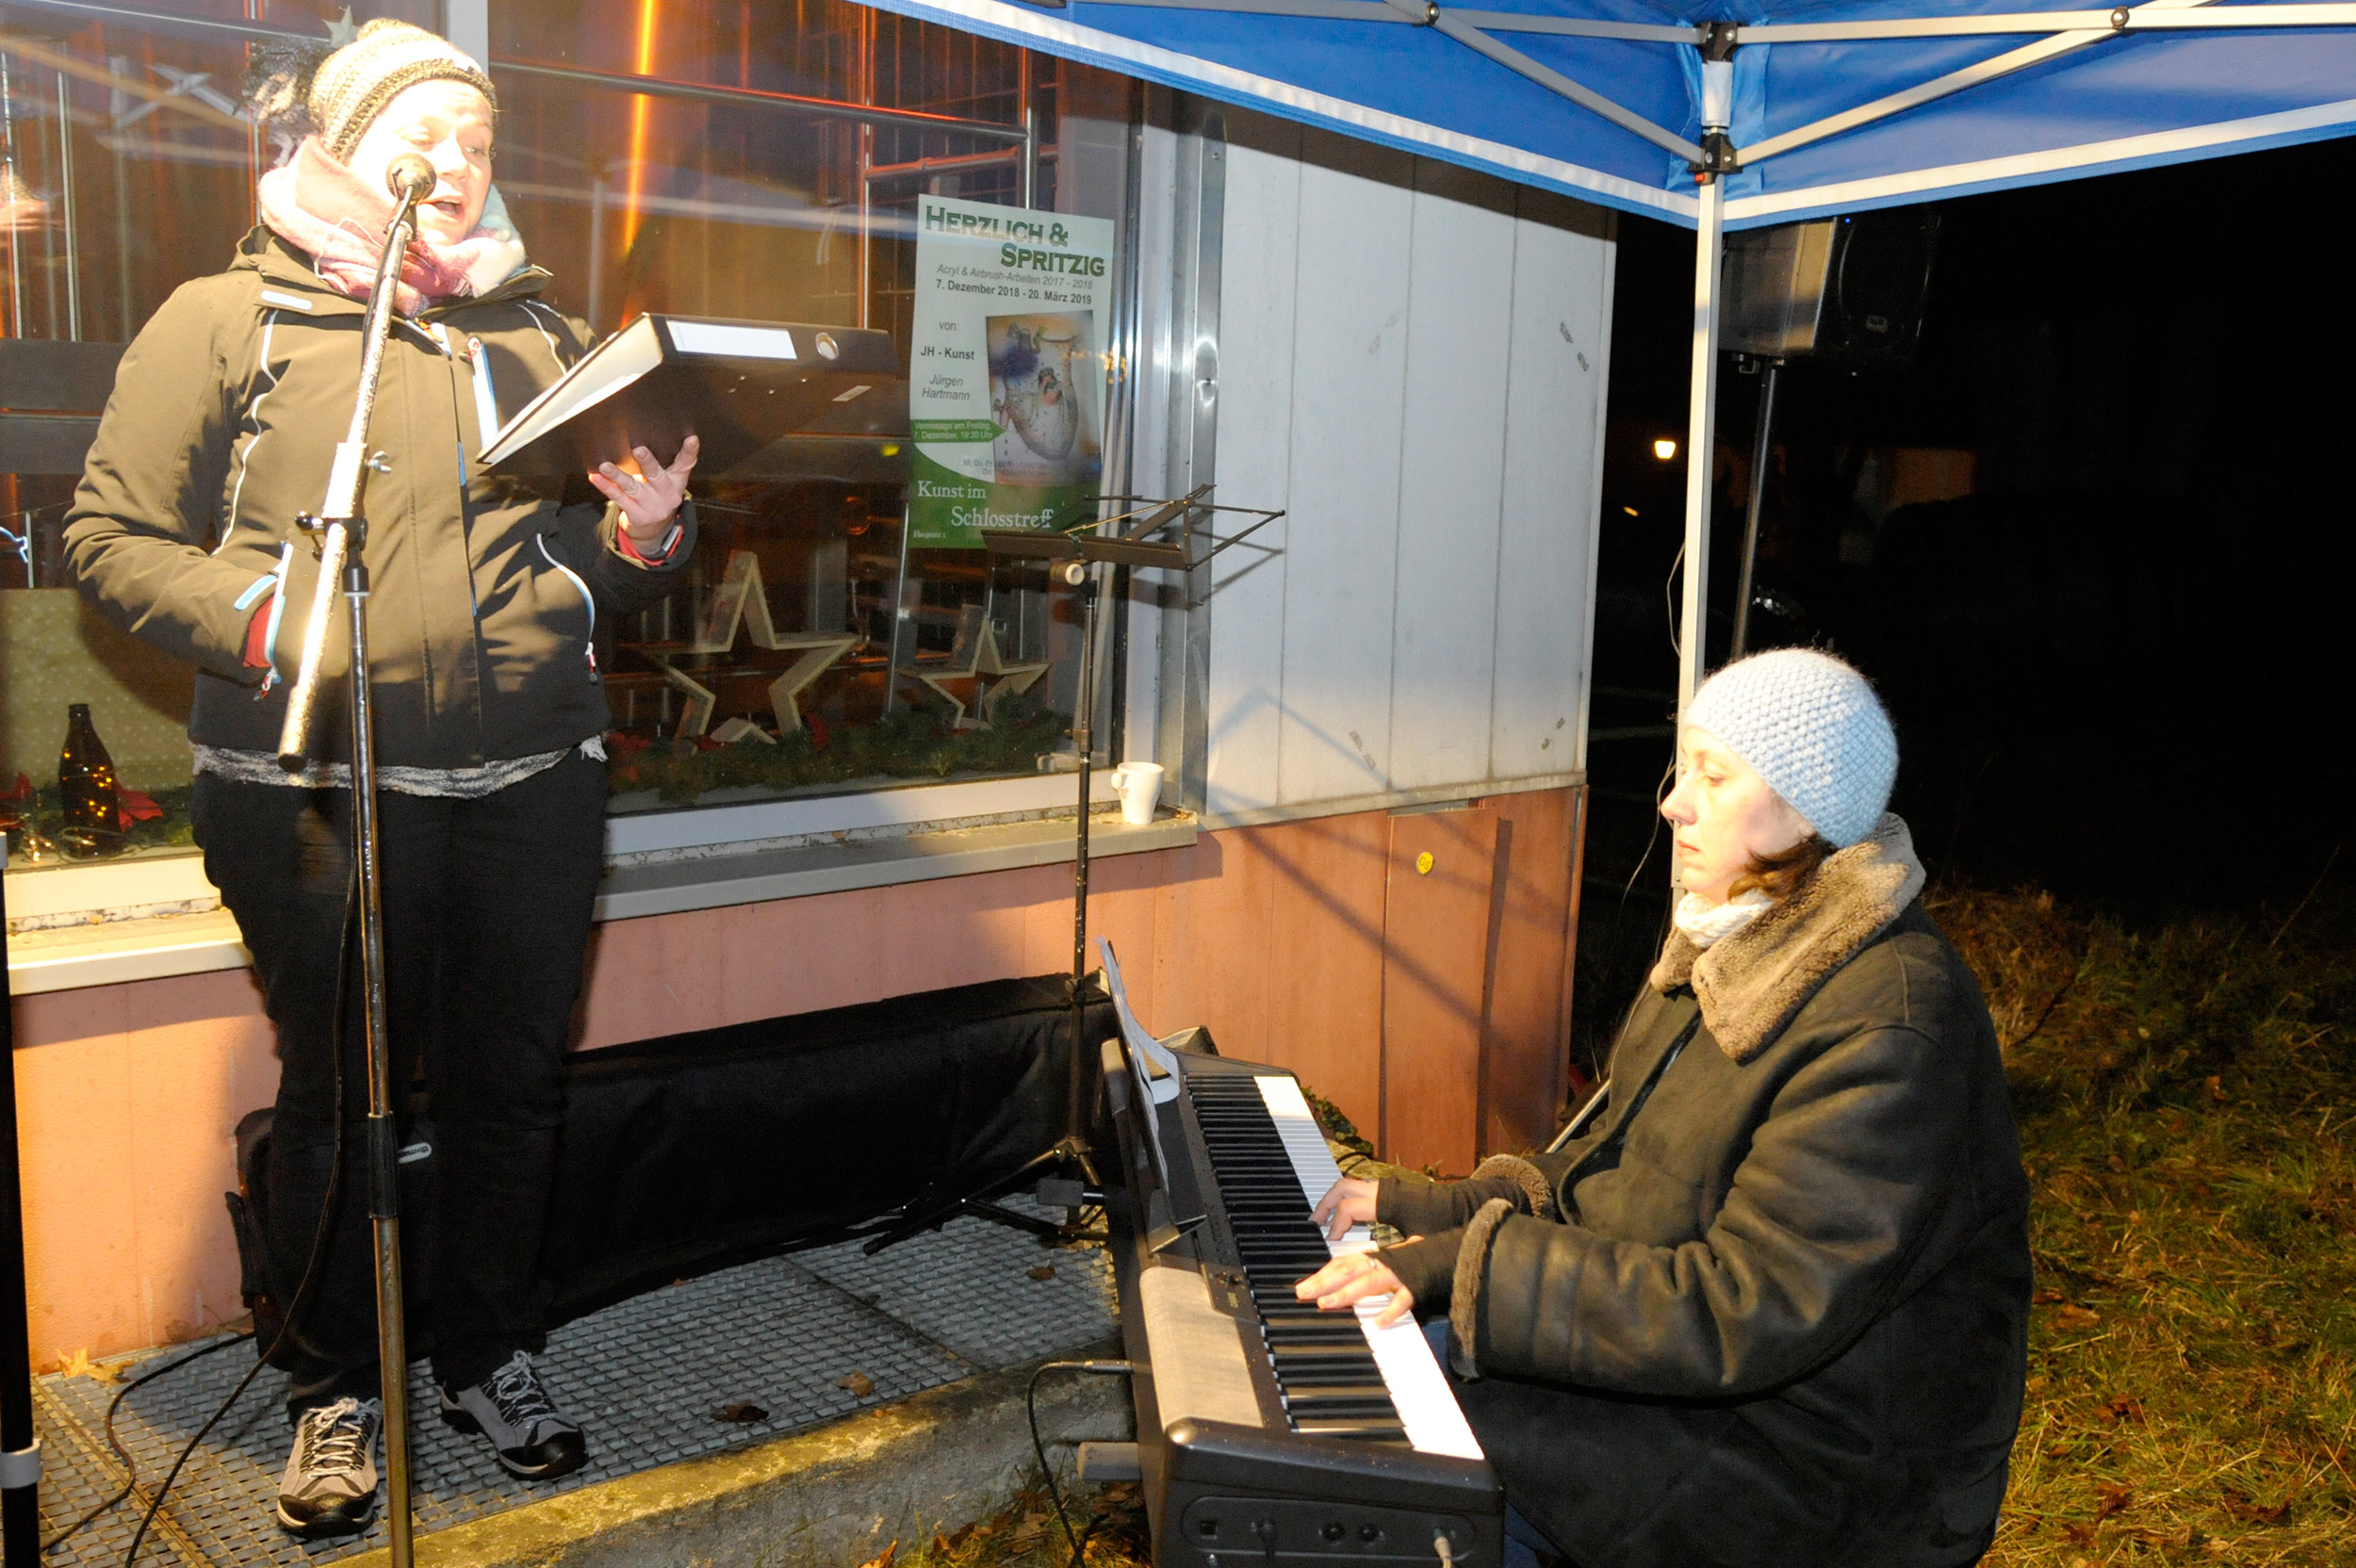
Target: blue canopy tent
[1718, 117]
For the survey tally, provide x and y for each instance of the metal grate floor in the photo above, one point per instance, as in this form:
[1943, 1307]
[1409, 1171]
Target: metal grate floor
[646, 1376]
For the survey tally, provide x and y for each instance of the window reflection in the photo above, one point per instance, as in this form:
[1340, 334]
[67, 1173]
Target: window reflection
[128, 167]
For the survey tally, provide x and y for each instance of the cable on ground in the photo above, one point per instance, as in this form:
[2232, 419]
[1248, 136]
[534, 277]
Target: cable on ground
[1030, 1411]
[301, 1300]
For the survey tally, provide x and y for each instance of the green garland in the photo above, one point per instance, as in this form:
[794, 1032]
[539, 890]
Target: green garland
[917, 743]
[171, 830]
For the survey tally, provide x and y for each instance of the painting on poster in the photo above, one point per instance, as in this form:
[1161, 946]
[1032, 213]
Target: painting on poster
[1007, 367]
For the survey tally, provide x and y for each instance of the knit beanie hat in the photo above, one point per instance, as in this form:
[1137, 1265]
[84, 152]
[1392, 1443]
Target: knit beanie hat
[1811, 727]
[353, 84]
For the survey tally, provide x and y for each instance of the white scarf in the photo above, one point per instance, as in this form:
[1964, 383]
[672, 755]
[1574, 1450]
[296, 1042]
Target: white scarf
[1704, 922]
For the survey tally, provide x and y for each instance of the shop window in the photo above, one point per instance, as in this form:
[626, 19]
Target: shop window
[907, 656]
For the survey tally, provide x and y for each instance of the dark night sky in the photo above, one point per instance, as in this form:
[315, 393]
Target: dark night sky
[2119, 666]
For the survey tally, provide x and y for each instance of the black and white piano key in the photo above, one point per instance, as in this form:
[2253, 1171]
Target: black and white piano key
[1428, 1414]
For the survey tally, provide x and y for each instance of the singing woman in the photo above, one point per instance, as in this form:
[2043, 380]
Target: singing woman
[489, 707]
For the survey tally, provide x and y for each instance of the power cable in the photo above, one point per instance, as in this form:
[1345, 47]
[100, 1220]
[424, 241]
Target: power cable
[1619, 915]
[1030, 1411]
[301, 1302]
[130, 1465]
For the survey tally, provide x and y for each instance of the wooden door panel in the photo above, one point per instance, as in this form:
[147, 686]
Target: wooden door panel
[1324, 957]
[1437, 933]
[1526, 1054]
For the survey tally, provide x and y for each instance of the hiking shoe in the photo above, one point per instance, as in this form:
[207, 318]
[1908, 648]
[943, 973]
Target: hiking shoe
[329, 1487]
[533, 1437]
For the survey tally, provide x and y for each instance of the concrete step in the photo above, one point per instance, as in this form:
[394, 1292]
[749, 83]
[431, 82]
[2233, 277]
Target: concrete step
[839, 1495]
[782, 1411]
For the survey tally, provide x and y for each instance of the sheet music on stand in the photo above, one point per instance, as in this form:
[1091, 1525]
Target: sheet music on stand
[1150, 1062]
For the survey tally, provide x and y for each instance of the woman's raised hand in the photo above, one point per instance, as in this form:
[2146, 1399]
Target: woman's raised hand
[1353, 1276]
[649, 498]
[1349, 1202]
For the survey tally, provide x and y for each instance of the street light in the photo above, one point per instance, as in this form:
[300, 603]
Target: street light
[1665, 449]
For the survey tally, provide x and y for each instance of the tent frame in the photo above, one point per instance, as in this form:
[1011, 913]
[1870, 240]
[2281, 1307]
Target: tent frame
[1715, 156]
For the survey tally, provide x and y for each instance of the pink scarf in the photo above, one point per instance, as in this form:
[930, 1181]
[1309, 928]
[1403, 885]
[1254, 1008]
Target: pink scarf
[321, 207]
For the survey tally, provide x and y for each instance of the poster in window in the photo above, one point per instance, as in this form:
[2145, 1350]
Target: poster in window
[1005, 367]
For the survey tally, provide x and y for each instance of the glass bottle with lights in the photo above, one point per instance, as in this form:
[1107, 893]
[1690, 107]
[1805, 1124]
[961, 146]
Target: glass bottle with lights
[86, 787]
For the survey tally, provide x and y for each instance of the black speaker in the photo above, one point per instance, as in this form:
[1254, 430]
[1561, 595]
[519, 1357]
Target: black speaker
[1847, 290]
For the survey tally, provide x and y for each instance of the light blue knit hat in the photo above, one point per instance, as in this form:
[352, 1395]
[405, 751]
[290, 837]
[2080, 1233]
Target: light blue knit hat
[1811, 727]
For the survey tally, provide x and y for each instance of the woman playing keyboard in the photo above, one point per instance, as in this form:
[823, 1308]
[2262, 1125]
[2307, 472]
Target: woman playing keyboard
[1771, 1306]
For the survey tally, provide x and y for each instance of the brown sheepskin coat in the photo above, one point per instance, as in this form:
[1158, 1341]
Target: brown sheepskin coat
[1771, 1307]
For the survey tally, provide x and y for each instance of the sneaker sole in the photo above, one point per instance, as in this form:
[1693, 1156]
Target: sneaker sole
[457, 1419]
[317, 1531]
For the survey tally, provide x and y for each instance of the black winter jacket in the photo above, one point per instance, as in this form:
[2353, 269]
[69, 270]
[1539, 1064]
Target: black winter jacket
[1772, 1307]
[485, 588]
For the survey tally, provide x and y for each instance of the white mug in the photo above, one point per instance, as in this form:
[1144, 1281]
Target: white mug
[1140, 787]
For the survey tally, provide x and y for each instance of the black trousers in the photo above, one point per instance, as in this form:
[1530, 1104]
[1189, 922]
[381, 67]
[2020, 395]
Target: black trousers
[486, 925]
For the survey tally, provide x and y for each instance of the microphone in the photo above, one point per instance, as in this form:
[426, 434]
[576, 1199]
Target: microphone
[410, 177]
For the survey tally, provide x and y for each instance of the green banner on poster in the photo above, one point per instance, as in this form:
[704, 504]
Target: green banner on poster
[1005, 367]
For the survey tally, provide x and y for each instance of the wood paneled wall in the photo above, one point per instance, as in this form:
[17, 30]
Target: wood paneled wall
[1275, 937]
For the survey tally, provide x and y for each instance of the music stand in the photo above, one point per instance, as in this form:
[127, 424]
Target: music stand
[1153, 532]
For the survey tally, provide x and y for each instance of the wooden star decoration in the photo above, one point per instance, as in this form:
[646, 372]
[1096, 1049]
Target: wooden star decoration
[974, 657]
[741, 602]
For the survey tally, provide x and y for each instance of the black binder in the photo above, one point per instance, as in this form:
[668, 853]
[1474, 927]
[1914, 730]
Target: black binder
[767, 400]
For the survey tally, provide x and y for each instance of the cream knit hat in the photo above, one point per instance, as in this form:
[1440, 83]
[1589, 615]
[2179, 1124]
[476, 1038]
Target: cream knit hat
[355, 82]
[1811, 727]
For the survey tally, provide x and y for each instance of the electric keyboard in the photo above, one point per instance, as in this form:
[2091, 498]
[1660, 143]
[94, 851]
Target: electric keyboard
[1269, 1431]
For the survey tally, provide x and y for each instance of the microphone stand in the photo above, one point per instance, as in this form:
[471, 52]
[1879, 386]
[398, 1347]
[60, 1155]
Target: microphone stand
[339, 532]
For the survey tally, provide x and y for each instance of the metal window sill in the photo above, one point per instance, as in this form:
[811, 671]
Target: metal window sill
[110, 951]
[158, 947]
[631, 891]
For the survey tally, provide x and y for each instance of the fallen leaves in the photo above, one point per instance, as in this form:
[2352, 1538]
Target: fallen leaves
[882, 1559]
[859, 1384]
[79, 1365]
[742, 1414]
[2192, 1214]
[1044, 1271]
[2240, 1507]
[2183, 1537]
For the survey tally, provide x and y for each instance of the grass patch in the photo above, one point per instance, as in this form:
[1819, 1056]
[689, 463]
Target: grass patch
[2186, 1095]
[1110, 1522]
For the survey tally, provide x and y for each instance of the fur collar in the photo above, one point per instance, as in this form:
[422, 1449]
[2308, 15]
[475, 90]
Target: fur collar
[1751, 983]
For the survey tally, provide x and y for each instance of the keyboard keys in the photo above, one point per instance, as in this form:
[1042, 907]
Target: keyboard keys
[1339, 1375]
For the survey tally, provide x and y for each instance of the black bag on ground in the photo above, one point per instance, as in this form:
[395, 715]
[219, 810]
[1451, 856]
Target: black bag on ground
[694, 1151]
[266, 1295]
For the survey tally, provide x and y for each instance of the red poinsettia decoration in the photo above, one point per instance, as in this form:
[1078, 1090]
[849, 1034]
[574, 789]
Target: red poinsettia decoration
[131, 806]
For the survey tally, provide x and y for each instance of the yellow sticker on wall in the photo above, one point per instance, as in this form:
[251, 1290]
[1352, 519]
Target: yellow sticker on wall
[1423, 864]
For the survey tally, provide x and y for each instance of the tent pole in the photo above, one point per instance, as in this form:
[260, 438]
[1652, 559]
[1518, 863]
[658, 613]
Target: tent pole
[1700, 440]
[1762, 447]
